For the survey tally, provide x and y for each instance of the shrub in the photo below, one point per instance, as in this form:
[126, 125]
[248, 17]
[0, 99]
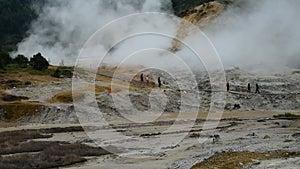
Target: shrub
[5, 59]
[38, 62]
[63, 72]
[286, 115]
[21, 60]
[56, 73]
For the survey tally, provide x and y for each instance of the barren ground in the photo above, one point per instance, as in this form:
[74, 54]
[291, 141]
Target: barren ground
[247, 137]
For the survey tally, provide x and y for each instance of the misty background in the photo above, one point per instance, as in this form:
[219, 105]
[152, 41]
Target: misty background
[248, 32]
[258, 32]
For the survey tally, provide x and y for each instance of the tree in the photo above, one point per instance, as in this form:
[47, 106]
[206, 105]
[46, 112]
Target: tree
[38, 62]
[5, 59]
[21, 60]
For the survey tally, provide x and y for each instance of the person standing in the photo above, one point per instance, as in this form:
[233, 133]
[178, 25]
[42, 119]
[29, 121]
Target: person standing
[257, 88]
[142, 78]
[227, 86]
[249, 88]
[159, 82]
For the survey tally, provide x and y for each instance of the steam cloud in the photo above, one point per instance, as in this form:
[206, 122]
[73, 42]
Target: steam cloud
[258, 32]
[63, 27]
[248, 32]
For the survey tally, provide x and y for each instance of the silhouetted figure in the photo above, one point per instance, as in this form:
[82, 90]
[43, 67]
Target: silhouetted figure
[159, 82]
[142, 77]
[257, 88]
[249, 88]
[227, 86]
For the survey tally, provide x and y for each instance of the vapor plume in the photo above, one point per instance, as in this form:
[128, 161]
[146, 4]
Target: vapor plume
[258, 33]
[248, 32]
[63, 27]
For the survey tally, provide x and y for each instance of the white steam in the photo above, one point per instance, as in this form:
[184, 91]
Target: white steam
[63, 27]
[247, 33]
[258, 32]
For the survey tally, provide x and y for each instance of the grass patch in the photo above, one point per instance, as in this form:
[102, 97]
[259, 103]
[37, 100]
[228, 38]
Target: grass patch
[67, 97]
[236, 160]
[286, 115]
[41, 72]
[15, 76]
[14, 68]
[63, 72]
[7, 84]
[14, 111]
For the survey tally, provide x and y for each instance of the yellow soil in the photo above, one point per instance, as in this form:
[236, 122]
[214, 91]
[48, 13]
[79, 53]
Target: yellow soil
[236, 160]
[201, 16]
[67, 97]
[122, 70]
[25, 76]
[16, 110]
[10, 124]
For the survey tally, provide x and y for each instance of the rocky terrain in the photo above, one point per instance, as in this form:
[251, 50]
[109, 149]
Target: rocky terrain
[113, 121]
[252, 126]
[279, 93]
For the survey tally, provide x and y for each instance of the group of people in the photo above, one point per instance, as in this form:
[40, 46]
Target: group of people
[147, 79]
[257, 90]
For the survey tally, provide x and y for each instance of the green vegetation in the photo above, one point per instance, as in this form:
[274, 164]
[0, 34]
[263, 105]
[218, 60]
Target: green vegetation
[286, 115]
[14, 83]
[5, 59]
[38, 62]
[14, 68]
[40, 72]
[63, 72]
[21, 61]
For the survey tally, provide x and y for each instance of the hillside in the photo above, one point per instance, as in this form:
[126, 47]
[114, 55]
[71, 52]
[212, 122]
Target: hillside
[198, 14]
